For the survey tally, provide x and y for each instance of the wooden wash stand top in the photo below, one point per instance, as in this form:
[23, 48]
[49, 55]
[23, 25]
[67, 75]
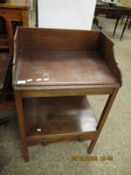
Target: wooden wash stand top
[53, 71]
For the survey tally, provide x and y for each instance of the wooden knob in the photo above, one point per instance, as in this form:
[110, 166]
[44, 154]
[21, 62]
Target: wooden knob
[45, 143]
[80, 139]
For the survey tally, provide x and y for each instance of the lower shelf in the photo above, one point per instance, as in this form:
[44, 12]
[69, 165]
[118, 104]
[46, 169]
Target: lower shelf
[57, 116]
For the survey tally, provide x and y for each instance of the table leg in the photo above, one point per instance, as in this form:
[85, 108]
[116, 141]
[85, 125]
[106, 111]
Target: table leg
[126, 23]
[103, 119]
[122, 19]
[129, 24]
[117, 21]
[21, 119]
[96, 22]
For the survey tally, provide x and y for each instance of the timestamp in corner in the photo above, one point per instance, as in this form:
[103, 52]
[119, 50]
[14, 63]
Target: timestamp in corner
[92, 158]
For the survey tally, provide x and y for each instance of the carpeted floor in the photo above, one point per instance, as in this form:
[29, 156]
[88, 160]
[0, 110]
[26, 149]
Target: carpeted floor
[115, 139]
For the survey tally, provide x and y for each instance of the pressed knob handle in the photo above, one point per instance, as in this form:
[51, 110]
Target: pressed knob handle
[45, 143]
[80, 139]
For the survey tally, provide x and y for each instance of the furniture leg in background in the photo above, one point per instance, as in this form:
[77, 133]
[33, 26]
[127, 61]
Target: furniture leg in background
[125, 26]
[14, 10]
[11, 11]
[116, 24]
[6, 96]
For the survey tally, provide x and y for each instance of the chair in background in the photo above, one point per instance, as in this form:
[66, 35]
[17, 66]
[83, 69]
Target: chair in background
[6, 96]
[12, 13]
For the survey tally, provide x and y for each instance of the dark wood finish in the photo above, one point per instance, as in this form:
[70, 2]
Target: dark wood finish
[82, 53]
[66, 137]
[53, 39]
[6, 97]
[75, 68]
[54, 74]
[66, 91]
[4, 63]
[58, 115]
[19, 107]
[3, 41]
[7, 103]
[36, 10]
[108, 55]
[13, 10]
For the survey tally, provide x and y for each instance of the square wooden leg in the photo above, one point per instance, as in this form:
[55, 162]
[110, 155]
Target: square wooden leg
[103, 119]
[21, 119]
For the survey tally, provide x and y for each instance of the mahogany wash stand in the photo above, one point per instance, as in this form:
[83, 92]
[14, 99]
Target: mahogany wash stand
[53, 73]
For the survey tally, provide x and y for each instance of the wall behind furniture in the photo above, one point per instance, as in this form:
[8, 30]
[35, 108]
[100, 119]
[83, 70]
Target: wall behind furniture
[67, 14]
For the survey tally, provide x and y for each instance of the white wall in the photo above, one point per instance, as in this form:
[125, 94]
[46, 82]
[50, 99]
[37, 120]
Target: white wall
[67, 14]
